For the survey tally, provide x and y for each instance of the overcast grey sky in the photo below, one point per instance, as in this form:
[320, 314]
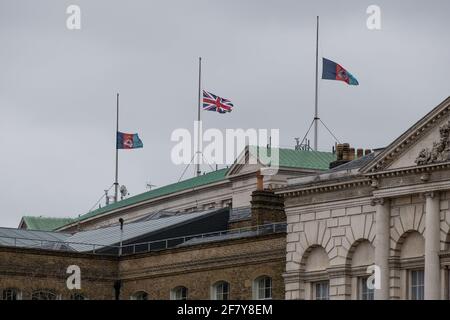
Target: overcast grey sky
[57, 86]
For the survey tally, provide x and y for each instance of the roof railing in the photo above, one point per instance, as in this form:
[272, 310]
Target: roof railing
[142, 247]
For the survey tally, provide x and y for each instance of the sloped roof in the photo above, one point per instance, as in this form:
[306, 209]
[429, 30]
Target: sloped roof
[110, 236]
[31, 238]
[191, 183]
[299, 159]
[45, 223]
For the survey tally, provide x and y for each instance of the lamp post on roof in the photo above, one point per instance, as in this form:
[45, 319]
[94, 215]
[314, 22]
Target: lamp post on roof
[121, 236]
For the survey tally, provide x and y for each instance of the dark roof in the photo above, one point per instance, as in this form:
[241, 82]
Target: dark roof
[355, 164]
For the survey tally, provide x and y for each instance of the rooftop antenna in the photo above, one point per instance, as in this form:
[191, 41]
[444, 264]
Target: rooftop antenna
[123, 192]
[297, 143]
[149, 185]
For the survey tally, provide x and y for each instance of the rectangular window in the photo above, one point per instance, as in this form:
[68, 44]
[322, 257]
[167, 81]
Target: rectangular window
[364, 292]
[322, 290]
[264, 288]
[417, 284]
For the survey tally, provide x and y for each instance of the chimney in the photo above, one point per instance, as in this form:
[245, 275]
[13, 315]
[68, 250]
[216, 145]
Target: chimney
[266, 207]
[359, 153]
[259, 181]
[346, 152]
[351, 155]
[339, 151]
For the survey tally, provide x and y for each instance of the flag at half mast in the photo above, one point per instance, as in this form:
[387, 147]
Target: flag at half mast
[211, 102]
[128, 141]
[334, 71]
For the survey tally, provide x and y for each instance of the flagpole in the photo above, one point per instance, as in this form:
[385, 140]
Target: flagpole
[316, 112]
[116, 182]
[198, 172]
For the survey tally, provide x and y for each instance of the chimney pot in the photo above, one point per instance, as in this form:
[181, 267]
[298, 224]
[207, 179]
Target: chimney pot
[339, 151]
[359, 152]
[345, 152]
[259, 181]
[351, 154]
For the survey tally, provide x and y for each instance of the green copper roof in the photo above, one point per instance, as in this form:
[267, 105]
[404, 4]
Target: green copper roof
[191, 183]
[45, 223]
[289, 158]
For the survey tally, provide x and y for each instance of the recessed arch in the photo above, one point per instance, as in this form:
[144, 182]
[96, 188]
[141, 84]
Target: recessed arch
[411, 244]
[315, 258]
[361, 253]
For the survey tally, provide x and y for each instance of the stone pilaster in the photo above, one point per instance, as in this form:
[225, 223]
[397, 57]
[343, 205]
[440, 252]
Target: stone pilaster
[432, 242]
[382, 238]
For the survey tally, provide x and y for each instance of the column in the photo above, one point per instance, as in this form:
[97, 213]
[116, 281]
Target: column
[382, 240]
[432, 242]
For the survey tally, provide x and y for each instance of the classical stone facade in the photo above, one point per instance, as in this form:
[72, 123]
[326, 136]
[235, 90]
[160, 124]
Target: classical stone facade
[389, 209]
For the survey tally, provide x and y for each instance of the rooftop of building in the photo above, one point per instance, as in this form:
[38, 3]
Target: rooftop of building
[288, 158]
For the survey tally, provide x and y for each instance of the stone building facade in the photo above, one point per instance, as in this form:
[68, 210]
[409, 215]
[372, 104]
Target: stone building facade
[388, 209]
[237, 264]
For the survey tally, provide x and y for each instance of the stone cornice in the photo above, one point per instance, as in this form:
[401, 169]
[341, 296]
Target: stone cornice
[325, 187]
[409, 170]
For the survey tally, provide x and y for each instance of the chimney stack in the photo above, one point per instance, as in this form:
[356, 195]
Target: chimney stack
[259, 181]
[345, 153]
[359, 153]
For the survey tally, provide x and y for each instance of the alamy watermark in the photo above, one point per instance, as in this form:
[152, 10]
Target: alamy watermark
[212, 146]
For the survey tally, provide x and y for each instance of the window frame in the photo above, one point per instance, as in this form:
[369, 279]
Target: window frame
[257, 288]
[414, 290]
[362, 287]
[215, 290]
[174, 293]
[316, 295]
[16, 293]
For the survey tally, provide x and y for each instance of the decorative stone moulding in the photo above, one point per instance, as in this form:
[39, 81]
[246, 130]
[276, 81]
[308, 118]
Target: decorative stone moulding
[440, 151]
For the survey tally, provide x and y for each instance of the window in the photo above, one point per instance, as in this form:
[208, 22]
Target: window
[364, 292]
[77, 296]
[416, 284]
[221, 290]
[43, 295]
[262, 288]
[322, 290]
[140, 295]
[179, 293]
[11, 294]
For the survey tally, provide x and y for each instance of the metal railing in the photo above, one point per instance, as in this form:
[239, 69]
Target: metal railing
[143, 247]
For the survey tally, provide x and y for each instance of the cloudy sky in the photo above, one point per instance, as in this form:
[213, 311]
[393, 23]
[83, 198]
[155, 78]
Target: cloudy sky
[58, 86]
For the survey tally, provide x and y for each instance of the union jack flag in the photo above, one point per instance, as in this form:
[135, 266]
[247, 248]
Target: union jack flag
[212, 102]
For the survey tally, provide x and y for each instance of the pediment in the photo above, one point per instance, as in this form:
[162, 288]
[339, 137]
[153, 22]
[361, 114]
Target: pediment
[246, 162]
[426, 142]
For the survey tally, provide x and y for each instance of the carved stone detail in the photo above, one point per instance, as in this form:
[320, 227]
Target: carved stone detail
[440, 151]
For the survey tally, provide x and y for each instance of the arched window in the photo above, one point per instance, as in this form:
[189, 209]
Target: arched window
[139, 295]
[77, 296]
[179, 293]
[262, 288]
[43, 295]
[220, 291]
[11, 294]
